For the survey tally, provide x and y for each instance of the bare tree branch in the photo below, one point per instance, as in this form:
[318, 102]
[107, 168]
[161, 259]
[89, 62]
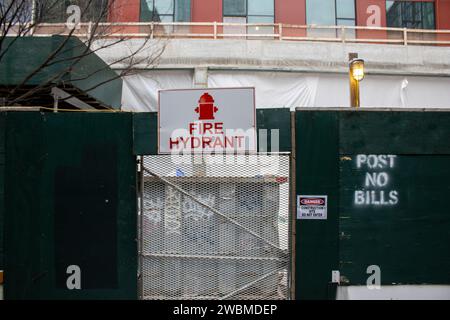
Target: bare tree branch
[66, 56]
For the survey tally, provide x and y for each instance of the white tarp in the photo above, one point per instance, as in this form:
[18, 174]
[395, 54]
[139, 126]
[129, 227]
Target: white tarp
[273, 89]
[290, 90]
[140, 91]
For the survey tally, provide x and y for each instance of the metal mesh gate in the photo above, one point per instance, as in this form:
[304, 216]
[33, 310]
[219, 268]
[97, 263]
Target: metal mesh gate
[215, 228]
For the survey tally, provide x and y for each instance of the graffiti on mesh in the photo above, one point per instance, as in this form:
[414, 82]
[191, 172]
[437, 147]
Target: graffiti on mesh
[193, 209]
[190, 208]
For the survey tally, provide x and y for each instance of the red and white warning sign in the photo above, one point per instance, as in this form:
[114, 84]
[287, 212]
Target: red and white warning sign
[312, 207]
[207, 120]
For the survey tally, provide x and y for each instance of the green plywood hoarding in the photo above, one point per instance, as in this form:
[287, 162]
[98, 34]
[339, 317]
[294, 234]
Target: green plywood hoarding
[2, 187]
[70, 190]
[386, 175]
[394, 211]
[316, 247]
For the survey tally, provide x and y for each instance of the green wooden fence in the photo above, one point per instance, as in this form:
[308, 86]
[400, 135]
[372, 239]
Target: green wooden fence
[70, 199]
[386, 175]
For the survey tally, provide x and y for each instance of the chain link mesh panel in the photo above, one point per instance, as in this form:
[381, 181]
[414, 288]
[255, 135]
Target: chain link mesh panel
[215, 227]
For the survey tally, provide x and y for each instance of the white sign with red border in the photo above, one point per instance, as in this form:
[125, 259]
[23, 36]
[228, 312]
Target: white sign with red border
[220, 120]
[312, 207]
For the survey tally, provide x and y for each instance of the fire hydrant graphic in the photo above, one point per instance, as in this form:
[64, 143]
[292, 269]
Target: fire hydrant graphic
[206, 107]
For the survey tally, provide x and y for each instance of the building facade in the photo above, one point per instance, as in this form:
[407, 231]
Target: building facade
[294, 52]
[419, 14]
[404, 44]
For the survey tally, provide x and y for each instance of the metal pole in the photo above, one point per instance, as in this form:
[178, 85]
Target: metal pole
[55, 103]
[209, 257]
[90, 30]
[215, 29]
[33, 17]
[293, 205]
[248, 285]
[405, 36]
[356, 103]
[354, 85]
[141, 227]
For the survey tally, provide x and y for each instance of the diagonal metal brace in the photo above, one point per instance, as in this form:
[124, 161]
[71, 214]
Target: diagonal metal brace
[281, 251]
[248, 285]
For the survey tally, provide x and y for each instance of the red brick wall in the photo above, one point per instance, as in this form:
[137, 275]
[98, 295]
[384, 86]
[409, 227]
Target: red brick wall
[291, 12]
[371, 13]
[206, 11]
[443, 14]
[125, 11]
[286, 12]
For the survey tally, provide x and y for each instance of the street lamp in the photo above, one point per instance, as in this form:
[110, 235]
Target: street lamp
[356, 73]
[357, 69]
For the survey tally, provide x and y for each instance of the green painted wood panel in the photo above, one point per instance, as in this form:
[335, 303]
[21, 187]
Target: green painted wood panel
[70, 198]
[396, 217]
[406, 227]
[145, 133]
[272, 120]
[394, 132]
[2, 185]
[22, 206]
[394, 211]
[317, 173]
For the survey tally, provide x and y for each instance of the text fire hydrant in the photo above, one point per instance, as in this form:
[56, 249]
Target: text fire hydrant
[206, 107]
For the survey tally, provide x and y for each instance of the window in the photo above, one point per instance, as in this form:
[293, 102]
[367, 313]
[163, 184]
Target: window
[330, 12]
[165, 10]
[345, 16]
[260, 8]
[235, 8]
[234, 29]
[410, 14]
[320, 12]
[248, 11]
[16, 11]
[55, 11]
[345, 12]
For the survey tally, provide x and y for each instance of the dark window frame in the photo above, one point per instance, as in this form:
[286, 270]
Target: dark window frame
[411, 23]
[154, 17]
[246, 16]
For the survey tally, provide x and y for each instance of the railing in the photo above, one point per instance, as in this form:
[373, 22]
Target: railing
[277, 31]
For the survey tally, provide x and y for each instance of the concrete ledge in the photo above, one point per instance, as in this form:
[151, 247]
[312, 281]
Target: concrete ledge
[274, 55]
[395, 292]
